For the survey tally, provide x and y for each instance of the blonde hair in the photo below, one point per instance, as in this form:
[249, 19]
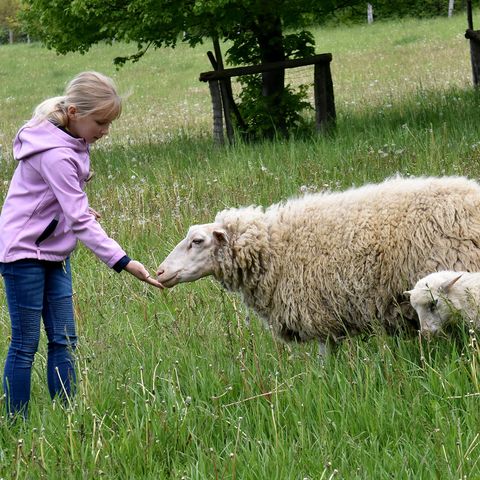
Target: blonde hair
[89, 92]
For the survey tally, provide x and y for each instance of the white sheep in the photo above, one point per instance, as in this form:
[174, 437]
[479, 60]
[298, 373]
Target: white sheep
[442, 296]
[335, 263]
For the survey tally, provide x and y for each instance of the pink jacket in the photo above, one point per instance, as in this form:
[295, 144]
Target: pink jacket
[46, 209]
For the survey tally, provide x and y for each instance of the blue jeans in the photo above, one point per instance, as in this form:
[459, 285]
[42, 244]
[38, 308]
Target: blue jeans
[38, 289]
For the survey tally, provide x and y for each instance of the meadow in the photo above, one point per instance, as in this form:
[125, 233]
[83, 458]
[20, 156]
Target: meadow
[176, 384]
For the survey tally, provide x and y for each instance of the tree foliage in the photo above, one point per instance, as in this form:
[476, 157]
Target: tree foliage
[8, 12]
[75, 25]
[258, 31]
[255, 30]
[8, 15]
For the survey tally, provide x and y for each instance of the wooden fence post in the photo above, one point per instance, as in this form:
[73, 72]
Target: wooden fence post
[225, 90]
[214, 87]
[323, 96]
[474, 37]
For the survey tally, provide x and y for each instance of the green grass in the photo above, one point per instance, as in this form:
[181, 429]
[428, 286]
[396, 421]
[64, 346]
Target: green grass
[175, 384]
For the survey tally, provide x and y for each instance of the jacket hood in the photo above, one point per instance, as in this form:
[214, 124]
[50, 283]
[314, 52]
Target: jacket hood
[37, 137]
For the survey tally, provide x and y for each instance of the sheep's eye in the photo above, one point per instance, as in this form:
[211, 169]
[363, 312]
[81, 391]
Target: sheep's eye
[433, 305]
[197, 241]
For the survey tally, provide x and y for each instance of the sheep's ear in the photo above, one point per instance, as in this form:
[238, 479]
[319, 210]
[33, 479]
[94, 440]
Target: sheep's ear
[220, 236]
[448, 285]
[408, 292]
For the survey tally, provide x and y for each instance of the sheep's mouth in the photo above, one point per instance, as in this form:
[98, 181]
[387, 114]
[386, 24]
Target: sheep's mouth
[168, 282]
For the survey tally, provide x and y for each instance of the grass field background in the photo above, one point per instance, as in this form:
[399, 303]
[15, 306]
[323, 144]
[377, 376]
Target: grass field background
[175, 384]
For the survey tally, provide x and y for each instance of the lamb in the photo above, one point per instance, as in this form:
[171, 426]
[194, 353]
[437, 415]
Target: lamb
[331, 264]
[439, 297]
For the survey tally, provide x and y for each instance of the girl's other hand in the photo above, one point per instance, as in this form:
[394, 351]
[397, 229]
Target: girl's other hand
[94, 213]
[139, 271]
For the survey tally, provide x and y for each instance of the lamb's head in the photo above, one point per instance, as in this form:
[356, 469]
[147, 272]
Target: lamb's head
[430, 299]
[193, 257]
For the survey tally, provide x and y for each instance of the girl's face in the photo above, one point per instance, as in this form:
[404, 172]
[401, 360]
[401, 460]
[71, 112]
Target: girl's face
[90, 127]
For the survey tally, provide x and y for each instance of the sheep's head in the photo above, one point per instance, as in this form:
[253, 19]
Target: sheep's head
[193, 257]
[430, 299]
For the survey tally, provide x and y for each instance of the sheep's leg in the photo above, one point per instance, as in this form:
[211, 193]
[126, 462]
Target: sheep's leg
[327, 347]
[322, 350]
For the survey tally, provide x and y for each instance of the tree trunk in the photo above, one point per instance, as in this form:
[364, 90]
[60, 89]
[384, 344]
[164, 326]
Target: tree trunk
[270, 40]
[469, 15]
[10, 36]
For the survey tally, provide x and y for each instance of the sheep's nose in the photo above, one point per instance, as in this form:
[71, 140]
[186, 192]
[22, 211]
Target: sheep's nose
[160, 271]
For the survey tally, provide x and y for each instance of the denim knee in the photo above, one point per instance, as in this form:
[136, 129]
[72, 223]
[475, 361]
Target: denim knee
[26, 330]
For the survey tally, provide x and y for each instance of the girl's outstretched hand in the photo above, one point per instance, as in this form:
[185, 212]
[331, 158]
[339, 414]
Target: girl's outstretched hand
[139, 271]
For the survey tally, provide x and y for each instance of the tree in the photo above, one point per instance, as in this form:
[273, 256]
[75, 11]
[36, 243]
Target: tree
[256, 29]
[8, 17]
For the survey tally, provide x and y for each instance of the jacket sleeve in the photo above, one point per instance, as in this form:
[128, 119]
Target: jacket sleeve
[61, 173]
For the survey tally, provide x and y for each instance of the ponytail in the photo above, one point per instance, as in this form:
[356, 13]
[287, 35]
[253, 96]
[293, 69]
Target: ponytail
[53, 109]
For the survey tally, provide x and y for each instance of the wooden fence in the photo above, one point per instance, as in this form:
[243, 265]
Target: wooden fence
[219, 81]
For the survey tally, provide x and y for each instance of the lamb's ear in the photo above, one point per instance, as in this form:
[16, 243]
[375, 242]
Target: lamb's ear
[220, 236]
[408, 292]
[448, 285]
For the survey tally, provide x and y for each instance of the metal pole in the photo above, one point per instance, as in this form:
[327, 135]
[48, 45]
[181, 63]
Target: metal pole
[369, 13]
[451, 6]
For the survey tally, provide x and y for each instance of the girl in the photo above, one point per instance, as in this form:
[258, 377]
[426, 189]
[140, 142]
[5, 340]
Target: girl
[45, 212]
